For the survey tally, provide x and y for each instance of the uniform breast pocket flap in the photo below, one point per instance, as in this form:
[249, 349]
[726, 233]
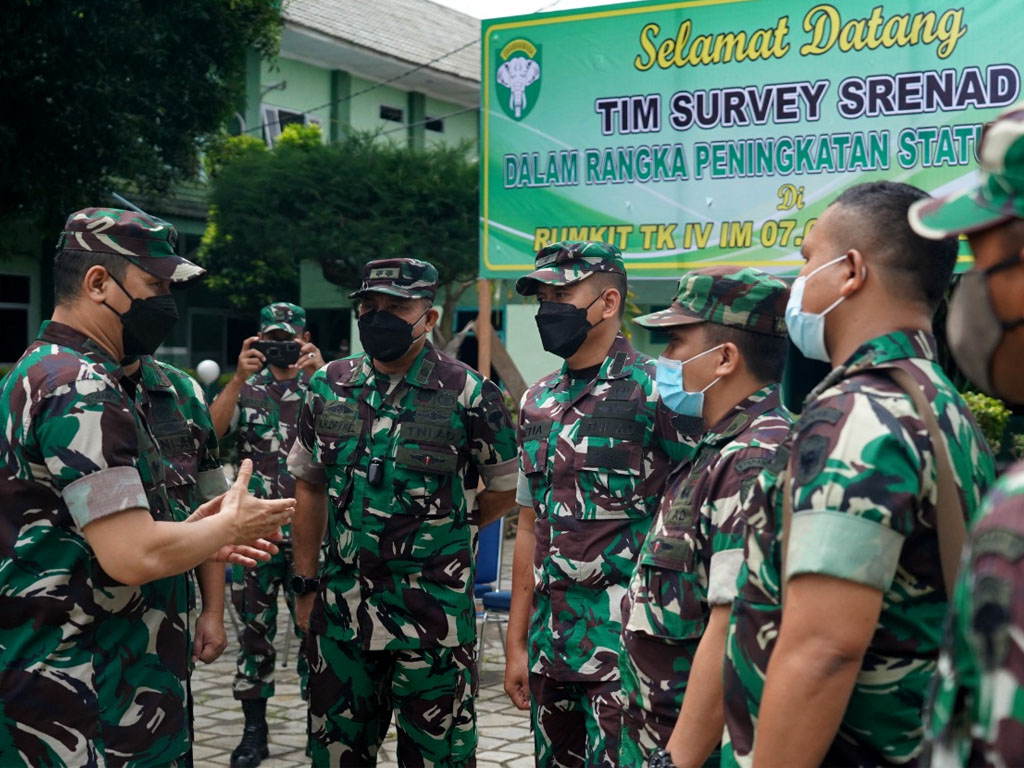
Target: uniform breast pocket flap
[429, 459]
[620, 459]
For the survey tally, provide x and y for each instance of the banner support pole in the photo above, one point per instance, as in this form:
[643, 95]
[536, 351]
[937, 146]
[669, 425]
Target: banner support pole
[483, 326]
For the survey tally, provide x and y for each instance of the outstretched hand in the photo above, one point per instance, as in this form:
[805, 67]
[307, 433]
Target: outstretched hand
[256, 522]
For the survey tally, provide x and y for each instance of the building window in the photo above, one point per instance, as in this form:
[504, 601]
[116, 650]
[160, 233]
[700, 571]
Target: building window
[276, 119]
[15, 301]
[394, 114]
[435, 124]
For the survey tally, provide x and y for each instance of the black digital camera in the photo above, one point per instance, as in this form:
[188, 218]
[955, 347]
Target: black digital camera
[279, 353]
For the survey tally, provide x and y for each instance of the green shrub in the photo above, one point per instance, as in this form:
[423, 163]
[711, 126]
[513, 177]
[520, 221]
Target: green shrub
[991, 415]
[1018, 447]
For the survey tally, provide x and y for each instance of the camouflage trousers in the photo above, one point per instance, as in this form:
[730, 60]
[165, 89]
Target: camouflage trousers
[654, 672]
[254, 596]
[353, 693]
[575, 724]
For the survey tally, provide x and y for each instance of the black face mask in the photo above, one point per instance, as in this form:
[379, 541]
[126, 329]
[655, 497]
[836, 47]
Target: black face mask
[386, 337]
[146, 323]
[563, 327]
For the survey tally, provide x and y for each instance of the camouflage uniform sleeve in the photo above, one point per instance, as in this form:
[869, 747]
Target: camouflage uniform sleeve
[301, 462]
[524, 497]
[723, 509]
[492, 438]
[236, 416]
[855, 481]
[996, 621]
[88, 440]
[210, 482]
[673, 435]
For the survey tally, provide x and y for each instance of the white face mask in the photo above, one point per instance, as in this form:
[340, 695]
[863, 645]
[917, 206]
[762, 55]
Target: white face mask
[807, 329]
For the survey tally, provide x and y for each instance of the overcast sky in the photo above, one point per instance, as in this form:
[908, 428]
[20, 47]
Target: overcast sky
[489, 9]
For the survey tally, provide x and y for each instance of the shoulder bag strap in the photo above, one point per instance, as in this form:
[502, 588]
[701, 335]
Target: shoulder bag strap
[949, 524]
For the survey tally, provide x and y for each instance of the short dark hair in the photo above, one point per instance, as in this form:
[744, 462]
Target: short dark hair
[914, 266]
[764, 355]
[69, 268]
[604, 280]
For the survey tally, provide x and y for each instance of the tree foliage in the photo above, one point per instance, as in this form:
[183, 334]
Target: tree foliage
[95, 90]
[340, 205]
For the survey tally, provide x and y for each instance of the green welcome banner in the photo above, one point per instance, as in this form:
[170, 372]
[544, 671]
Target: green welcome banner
[716, 131]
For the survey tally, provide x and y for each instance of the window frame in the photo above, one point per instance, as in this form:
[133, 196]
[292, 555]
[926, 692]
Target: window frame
[270, 117]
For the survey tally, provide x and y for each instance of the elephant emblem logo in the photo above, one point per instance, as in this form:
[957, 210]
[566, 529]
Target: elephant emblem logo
[518, 77]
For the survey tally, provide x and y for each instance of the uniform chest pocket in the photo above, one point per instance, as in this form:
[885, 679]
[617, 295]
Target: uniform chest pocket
[338, 429]
[534, 449]
[610, 473]
[425, 478]
[254, 410]
[178, 450]
[182, 469]
[256, 434]
[336, 451]
[671, 551]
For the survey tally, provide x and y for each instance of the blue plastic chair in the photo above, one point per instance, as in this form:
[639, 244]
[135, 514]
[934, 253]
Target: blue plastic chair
[488, 558]
[488, 581]
[497, 605]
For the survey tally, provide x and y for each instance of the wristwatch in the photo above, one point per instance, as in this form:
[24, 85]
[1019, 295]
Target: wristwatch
[304, 586]
[660, 759]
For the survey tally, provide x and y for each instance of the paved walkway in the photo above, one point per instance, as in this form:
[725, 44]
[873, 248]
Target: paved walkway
[504, 731]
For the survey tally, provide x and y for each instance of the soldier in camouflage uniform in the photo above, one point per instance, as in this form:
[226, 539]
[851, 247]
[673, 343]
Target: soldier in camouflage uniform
[865, 597]
[596, 447]
[261, 403]
[727, 346]
[174, 405]
[976, 716]
[93, 646]
[392, 446]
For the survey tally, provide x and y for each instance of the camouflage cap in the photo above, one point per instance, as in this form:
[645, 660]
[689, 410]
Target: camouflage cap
[999, 195]
[146, 241]
[408, 278]
[569, 262]
[738, 297]
[283, 316]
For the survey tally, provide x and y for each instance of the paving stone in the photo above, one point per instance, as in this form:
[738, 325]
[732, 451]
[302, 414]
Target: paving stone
[509, 733]
[292, 740]
[505, 740]
[223, 743]
[223, 703]
[520, 747]
[201, 752]
[488, 743]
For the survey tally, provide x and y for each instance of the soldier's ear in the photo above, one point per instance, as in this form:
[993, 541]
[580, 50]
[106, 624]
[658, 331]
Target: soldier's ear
[430, 318]
[611, 305]
[859, 273]
[728, 360]
[96, 283]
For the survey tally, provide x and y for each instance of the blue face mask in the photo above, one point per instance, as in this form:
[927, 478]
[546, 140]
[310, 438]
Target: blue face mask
[807, 329]
[671, 389]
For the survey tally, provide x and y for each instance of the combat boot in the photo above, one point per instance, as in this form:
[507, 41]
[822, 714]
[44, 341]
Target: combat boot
[253, 747]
